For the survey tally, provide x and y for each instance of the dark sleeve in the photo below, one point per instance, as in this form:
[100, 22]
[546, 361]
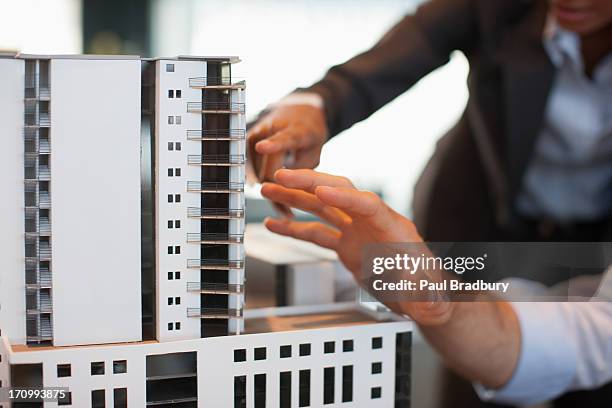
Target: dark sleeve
[414, 47]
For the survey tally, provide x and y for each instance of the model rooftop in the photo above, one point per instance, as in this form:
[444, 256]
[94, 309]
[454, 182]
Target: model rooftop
[17, 55]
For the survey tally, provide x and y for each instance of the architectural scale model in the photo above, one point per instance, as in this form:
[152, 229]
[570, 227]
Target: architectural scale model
[122, 264]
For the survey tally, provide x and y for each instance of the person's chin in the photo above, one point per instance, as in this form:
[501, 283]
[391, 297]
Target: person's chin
[577, 20]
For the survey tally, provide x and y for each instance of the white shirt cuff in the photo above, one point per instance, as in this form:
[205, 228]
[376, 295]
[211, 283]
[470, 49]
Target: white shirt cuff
[301, 98]
[547, 360]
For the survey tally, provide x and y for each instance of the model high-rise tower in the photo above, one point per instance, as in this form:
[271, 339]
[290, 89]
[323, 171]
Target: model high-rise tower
[199, 133]
[122, 261]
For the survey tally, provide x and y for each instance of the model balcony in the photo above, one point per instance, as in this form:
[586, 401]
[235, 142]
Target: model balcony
[36, 148]
[44, 200]
[36, 174]
[41, 336]
[39, 328]
[35, 89]
[44, 173]
[44, 226]
[44, 252]
[214, 187]
[215, 288]
[217, 83]
[215, 213]
[42, 281]
[215, 107]
[34, 144]
[216, 134]
[44, 306]
[215, 238]
[221, 264]
[44, 146]
[215, 159]
[213, 313]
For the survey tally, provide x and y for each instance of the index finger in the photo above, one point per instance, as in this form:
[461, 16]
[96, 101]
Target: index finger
[308, 180]
[363, 205]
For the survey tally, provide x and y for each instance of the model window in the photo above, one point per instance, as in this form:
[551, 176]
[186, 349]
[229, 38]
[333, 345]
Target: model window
[347, 345]
[97, 399]
[177, 145]
[170, 275]
[177, 275]
[119, 366]
[285, 351]
[284, 389]
[347, 383]
[64, 370]
[177, 325]
[171, 93]
[170, 146]
[376, 368]
[170, 224]
[120, 397]
[304, 349]
[170, 198]
[170, 250]
[178, 93]
[171, 120]
[328, 385]
[260, 353]
[376, 392]
[170, 301]
[177, 249]
[177, 223]
[178, 120]
[240, 391]
[239, 355]
[260, 391]
[304, 383]
[177, 300]
[170, 326]
[377, 342]
[97, 368]
[177, 198]
[65, 400]
[170, 172]
[329, 347]
[177, 172]
[169, 67]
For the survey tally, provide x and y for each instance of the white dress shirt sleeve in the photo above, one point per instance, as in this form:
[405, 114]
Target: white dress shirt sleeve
[301, 98]
[564, 347]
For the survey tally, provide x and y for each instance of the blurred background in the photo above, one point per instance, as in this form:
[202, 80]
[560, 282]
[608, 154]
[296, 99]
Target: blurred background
[283, 45]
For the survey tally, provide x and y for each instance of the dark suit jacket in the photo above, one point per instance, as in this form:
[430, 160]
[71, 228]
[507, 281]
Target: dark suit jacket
[467, 190]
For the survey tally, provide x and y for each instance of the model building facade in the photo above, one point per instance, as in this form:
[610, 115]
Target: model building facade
[122, 270]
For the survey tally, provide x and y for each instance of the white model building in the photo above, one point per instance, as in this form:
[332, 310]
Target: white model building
[122, 264]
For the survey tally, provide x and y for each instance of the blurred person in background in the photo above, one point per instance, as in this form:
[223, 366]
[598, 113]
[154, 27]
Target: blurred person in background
[531, 157]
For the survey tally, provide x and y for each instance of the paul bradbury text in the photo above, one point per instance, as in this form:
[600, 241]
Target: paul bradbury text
[454, 285]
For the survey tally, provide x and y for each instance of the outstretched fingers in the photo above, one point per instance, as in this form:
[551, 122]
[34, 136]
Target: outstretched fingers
[309, 180]
[306, 202]
[360, 205]
[315, 232]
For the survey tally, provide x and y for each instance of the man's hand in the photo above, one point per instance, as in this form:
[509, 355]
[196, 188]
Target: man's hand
[353, 219]
[356, 217]
[480, 340]
[298, 131]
